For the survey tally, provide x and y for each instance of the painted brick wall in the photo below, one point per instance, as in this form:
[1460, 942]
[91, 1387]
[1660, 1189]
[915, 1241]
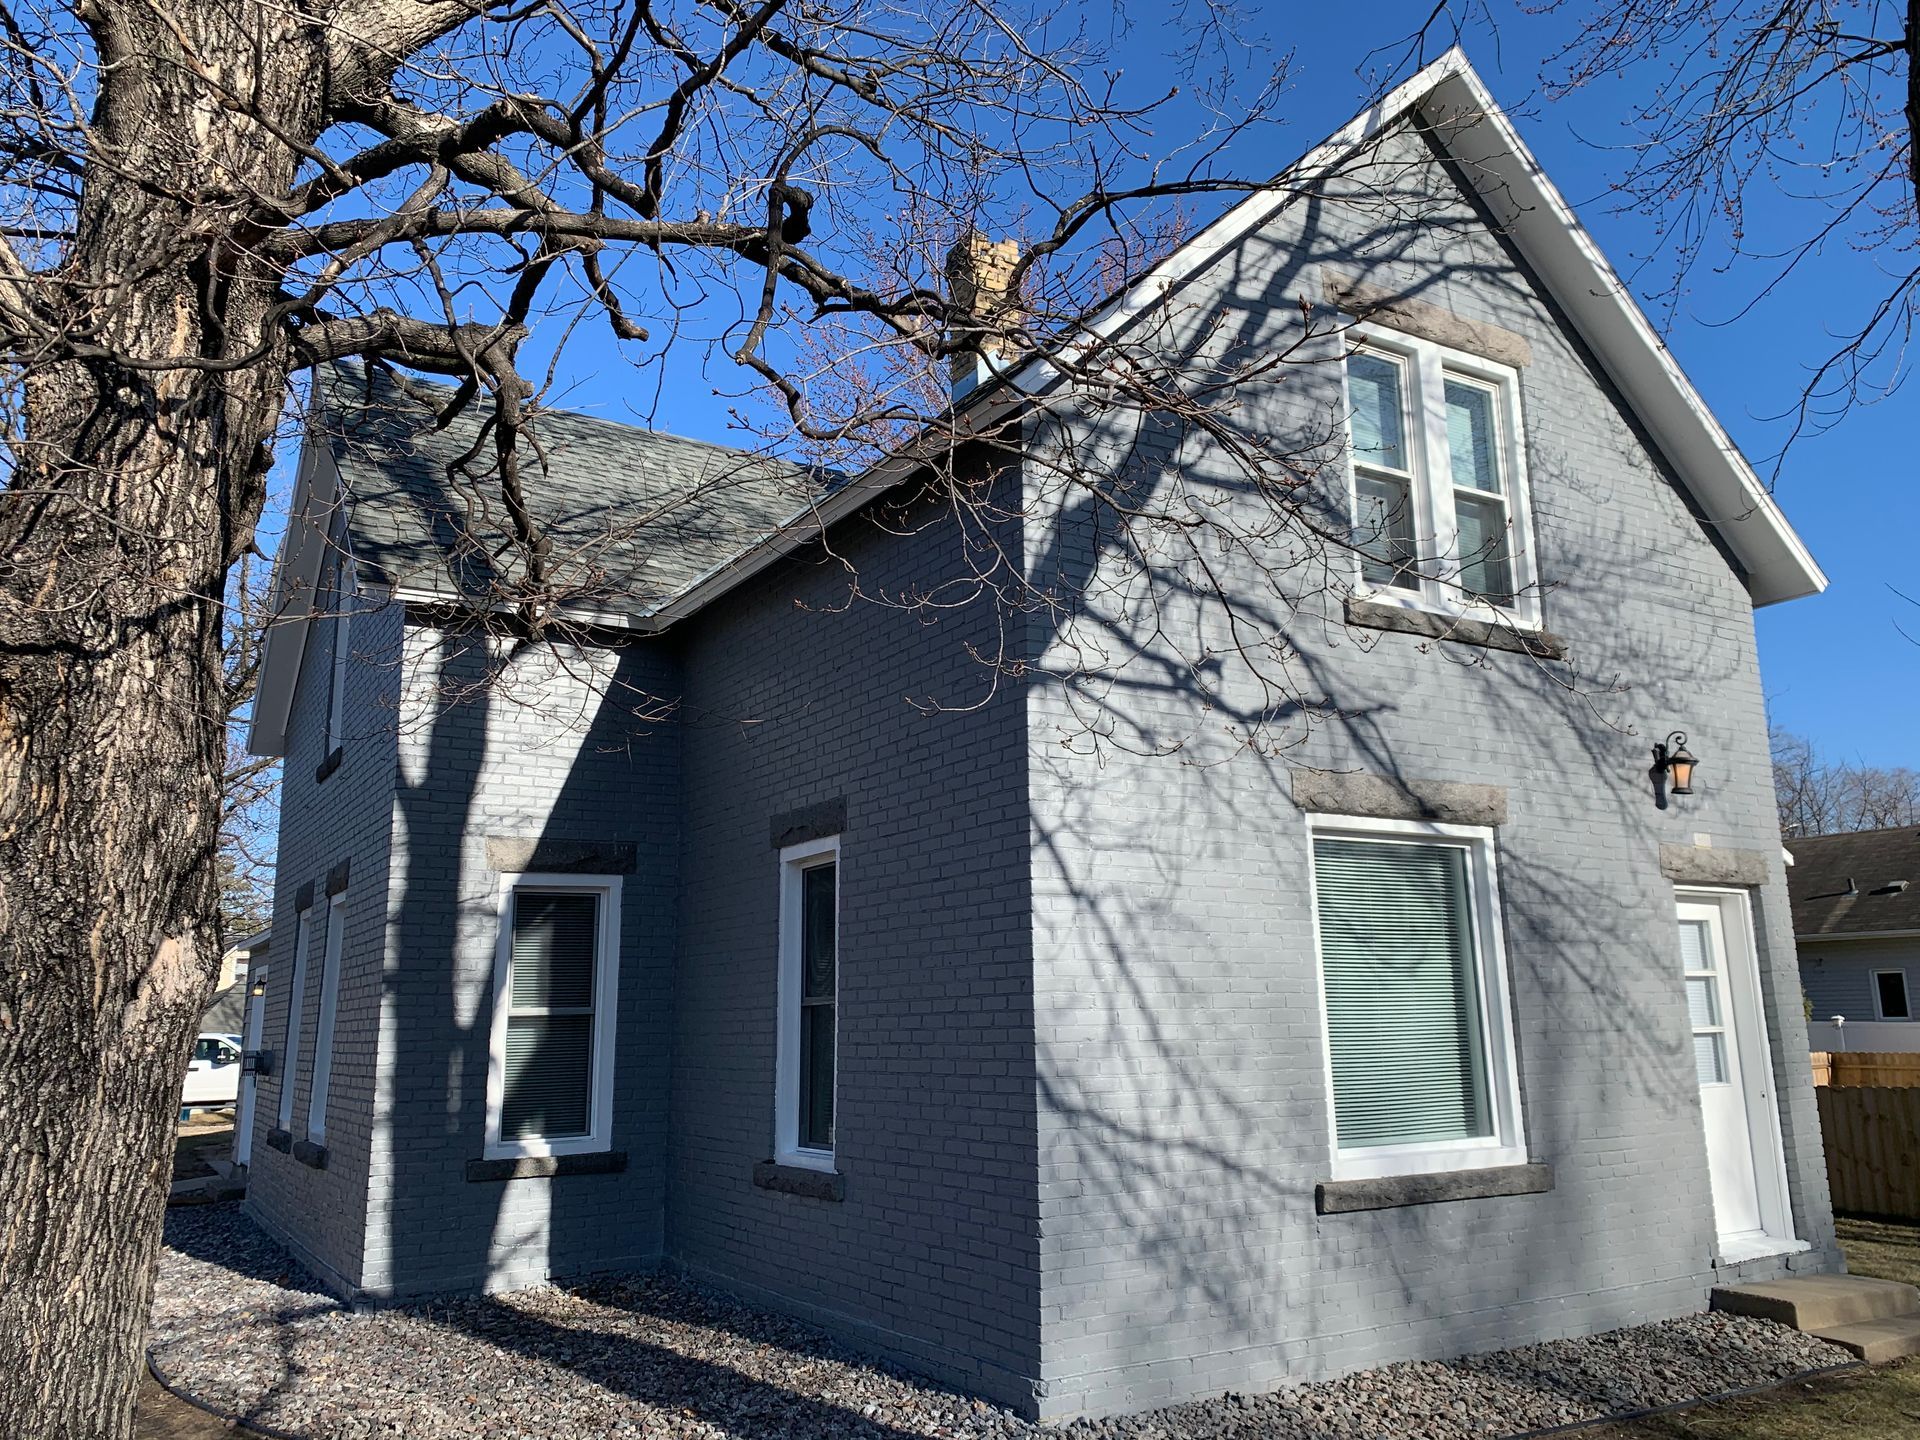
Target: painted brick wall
[1183, 1111]
[570, 745]
[791, 701]
[345, 817]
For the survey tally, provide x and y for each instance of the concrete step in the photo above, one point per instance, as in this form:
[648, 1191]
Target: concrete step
[1819, 1303]
[1875, 1341]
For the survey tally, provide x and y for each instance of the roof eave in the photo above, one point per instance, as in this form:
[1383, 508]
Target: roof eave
[1543, 227]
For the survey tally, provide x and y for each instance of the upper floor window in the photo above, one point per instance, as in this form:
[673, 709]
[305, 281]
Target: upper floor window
[341, 588]
[808, 1036]
[1439, 480]
[1890, 995]
[550, 1074]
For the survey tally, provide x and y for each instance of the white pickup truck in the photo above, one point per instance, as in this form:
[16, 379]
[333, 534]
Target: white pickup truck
[213, 1077]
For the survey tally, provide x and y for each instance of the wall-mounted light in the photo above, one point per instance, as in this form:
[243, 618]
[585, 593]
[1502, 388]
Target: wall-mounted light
[1670, 757]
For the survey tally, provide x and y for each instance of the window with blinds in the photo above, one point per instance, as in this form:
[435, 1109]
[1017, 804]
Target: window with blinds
[547, 1065]
[1403, 985]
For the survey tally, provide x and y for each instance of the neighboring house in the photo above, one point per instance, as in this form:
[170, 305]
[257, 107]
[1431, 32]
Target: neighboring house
[1084, 1078]
[1856, 920]
[227, 1012]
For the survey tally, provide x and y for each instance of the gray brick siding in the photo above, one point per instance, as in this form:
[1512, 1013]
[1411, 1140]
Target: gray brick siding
[346, 817]
[931, 1257]
[1184, 1113]
[545, 754]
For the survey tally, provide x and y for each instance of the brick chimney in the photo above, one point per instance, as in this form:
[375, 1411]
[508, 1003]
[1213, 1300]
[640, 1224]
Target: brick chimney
[980, 282]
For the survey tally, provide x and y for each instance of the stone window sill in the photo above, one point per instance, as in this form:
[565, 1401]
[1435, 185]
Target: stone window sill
[529, 1167]
[799, 1180]
[313, 1156]
[1370, 615]
[1341, 1197]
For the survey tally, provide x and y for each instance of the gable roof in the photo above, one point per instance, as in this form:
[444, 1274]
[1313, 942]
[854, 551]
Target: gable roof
[1472, 130]
[1849, 885]
[634, 516]
[1468, 127]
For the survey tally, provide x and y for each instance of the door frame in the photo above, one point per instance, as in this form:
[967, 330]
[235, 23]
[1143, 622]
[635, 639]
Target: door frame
[252, 1030]
[1757, 1074]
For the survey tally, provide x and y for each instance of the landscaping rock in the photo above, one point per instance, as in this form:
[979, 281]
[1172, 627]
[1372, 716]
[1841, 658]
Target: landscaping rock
[239, 1325]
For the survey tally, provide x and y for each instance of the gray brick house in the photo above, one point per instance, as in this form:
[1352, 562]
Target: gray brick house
[1084, 1079]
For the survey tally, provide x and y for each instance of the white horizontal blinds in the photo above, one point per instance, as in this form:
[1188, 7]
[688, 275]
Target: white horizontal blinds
[1706, 1007]
[548, 1073]
[1474, 449]
[1382, 469]
[1403, 992]
[818, 987]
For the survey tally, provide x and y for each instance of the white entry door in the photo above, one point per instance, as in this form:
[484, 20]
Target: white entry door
[256, 1021]
[1733, 1067]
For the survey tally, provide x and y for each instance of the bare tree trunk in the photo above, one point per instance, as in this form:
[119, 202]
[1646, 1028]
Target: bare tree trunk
[137, 485]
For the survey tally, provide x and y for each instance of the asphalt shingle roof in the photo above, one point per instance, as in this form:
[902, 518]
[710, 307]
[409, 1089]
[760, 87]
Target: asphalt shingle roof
[636, 517]
[1851, 884]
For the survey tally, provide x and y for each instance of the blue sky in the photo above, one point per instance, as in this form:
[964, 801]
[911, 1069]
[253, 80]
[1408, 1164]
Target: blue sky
[1836, 667]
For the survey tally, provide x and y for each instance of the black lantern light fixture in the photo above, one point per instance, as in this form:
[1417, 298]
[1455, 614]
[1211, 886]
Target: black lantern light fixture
[1671, 758]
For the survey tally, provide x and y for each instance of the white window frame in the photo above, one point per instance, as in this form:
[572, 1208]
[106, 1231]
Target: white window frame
[1879, 1013]
[343, 593]
[323, 1027]
[606, 1005]
[1507, 1145]
[296, 1004]
[795, 861]
[1436, 530]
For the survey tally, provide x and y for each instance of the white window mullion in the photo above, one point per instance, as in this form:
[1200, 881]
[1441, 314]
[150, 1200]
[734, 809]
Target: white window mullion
[1437, 493]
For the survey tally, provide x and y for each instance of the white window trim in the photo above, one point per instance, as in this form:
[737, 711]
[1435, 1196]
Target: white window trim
[323, 1027]
[343, 601]
[795, 861]
[1508, 1143]
[1879, 1013]
[296, 1003]
[606, 1005]
[1436, 532]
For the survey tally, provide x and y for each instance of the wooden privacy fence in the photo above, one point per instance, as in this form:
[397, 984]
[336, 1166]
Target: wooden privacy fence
[1866, 1067]
[1870, 1119]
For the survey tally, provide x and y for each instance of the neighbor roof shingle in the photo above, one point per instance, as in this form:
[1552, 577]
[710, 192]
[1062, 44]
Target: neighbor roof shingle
[635, 517]
[1851, 884]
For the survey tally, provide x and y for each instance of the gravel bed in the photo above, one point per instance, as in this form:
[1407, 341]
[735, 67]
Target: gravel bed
[239, 1325]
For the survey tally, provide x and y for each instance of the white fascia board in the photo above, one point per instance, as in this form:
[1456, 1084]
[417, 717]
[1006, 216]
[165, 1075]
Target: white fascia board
[296, 569]
[1543, 228]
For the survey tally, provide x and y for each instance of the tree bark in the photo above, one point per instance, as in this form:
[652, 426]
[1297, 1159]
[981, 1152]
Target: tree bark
[136, 487]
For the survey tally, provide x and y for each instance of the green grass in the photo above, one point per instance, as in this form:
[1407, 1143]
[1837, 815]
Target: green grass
[1884, 1249]
[1878, 1404]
